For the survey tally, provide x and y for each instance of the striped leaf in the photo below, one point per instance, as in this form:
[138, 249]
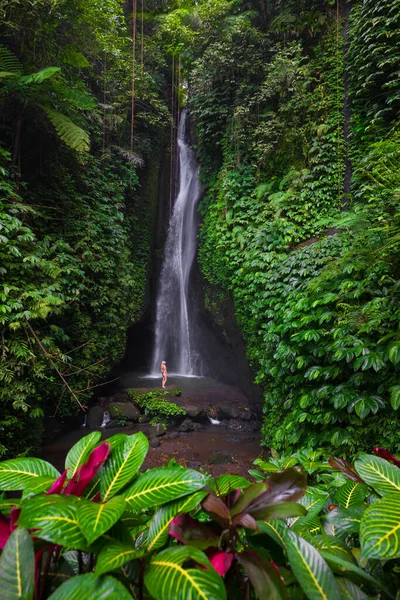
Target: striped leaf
[349, 590]
[80, 452]
[95, 519]
[123, 464]
[116, 439]
[275, 529]
[264, 577]
[162, 485]
[379, 474]
[311, 571]
[158, 531]
[114, 555]
[380, 529]
[165, 577]
[17, 567]
[6, 504]
[341, 521]
[351, 494]
[20, 473]
[55, 519]
[224, 484]
[349, 567]
[91, 587]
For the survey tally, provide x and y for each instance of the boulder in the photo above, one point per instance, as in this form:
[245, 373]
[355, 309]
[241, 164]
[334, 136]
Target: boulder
[120, 397]
[245, 414]
[194, 464]
[173, 435]
[112, 423]
[95, 417]
[221, 457]
[157, 430]
[186, 425]
[144, 418]
[154, 442]
[194, 411]
[197, 427]
[226, 411]
[238, 425]
[124, 409]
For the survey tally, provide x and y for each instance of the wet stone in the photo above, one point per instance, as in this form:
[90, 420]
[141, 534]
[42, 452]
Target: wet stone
[95, 417]
[157, 430]
[154, 442]
[221, 457]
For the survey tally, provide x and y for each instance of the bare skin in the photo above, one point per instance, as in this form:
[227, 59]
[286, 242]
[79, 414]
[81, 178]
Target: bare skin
[164, 374]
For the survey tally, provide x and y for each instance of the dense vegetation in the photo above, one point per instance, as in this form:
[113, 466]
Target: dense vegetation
[102, 529]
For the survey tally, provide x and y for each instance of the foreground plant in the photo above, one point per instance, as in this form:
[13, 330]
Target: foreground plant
[102, 529]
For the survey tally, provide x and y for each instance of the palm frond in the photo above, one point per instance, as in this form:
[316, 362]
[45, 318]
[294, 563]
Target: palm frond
[71, 134]
[40, 76]
[9, 63]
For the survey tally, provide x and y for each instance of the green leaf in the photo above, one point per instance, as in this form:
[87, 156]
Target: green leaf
[351, 494]
[55, 519]
[281, 510]
[94, 518]
[123, 464]
[40, 76]
[349, 590]
[9, 62]
[74, 136]
[395, 396]
[158, 531]
[394, 352]
[80, 452]
[165, 576]
[91, 587]
[17, 567]
[19, 473]
[224, 484]
[263, 576]
[379, 474]
[162, 485]
[345, 520]
[275, 529]
[311, 571]
[347, 566]
[380, 529]
[115, 555]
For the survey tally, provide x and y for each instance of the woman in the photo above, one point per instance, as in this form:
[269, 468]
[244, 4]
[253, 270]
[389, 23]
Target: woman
[164, 374]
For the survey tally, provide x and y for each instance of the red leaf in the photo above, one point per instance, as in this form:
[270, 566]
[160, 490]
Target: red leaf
[214, 505]
[382, 453]
[221, 561]
[245, 520]
[188, 531]
[58, 485]
[5, 530]
[345, 467]
[88, 470]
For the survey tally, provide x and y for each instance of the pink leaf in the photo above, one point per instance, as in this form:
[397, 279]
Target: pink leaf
[5, 531]
[221, 561]
[88, 470]
[382, 453]
[58, 485]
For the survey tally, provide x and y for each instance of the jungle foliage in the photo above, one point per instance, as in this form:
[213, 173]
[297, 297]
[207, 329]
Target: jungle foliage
[104, 529]
[299, 148]
[75, 230]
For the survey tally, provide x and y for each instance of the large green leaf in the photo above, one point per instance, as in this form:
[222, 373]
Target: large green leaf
[351, 494]
[380, 529]
[165, 577]
[19, 473]
[95, 518]
[55, 519]
[17, 567]
[342, 521]
[9, 62]
[158, 531]
[311, 571]
[163, 485]
[91, 587]
[80, 452]
[40, 76]
[265, 580]
[349, 590]
[123, 464]
[116, 554]
[275, 529]
[395, 396]
[224, 484]
[345, 566]
[74, 136]
[379, 473]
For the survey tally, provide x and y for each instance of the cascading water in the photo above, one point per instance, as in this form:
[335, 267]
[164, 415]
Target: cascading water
[174, 341]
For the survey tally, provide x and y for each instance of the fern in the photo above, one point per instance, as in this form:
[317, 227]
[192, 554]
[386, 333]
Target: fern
[9, 63]
[40, 76]
[129, 156]
[74, 136]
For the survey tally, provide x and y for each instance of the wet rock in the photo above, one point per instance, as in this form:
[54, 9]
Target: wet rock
[194, 464]
[221, 457]
[239, 425]
[173, 435]
[225, 411]
[95, 417]
[245, 414]
[194, 411]
[154, 442]
[120, 397]
[186, 425]
[112, 423]
[124, 409]
[144, 418]
[197, 427]
[157, 430]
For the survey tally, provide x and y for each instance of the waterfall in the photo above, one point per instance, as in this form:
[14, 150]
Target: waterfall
[174, 341]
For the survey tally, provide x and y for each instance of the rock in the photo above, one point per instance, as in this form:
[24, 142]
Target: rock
[186, 425]
[120, 397]
[194, 464]
[221, 457]
[124, 409]
[173, 435]
[245, 414]
[144, 418]
[225, 411]
[193, 411]
[112, 423]
[157, 430]
[95, 417]
[154, 442]
[238, 425]
[197, 427]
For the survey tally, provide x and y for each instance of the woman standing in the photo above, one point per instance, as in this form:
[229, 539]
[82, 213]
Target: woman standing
[164, 374]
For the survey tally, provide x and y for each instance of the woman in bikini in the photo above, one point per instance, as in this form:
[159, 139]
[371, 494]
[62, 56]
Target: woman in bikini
[164, 374]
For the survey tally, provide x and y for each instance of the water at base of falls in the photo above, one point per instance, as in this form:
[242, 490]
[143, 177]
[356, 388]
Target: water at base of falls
[174, 339]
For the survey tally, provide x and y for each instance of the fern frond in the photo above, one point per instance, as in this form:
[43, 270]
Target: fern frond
[9, 63]
[40, 76]
[132, 157]
[71, 134]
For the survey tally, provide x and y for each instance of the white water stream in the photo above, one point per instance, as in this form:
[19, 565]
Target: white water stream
[174, 340]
